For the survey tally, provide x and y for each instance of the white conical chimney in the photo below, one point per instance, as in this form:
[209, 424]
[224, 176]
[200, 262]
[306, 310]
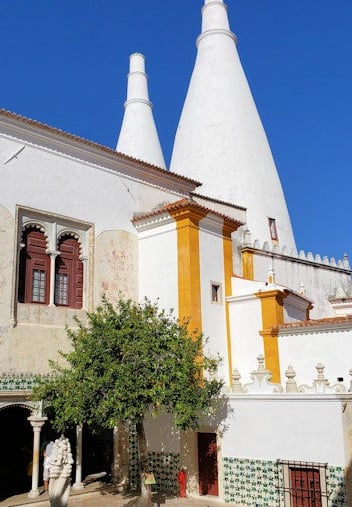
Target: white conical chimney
[138, 135]
[220, 140]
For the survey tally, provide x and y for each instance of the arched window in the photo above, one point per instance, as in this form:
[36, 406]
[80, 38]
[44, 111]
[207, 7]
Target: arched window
[68, 274]
[34, 273]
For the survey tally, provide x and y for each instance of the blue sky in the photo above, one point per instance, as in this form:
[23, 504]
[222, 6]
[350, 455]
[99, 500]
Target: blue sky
[64, 63]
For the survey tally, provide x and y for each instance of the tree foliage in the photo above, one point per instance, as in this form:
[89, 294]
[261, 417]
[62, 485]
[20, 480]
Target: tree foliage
[126, 362]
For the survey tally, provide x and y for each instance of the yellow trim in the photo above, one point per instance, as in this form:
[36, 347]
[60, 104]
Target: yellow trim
[228, 273]
[189, 294]
[248, 265]
[272, 316]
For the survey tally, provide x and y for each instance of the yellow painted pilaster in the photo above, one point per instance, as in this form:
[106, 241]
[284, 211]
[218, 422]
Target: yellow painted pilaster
[248, 265]
[272, 316]
[228, 228]
[189, 294]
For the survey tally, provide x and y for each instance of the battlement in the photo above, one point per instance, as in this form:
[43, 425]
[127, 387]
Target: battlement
[305, 257]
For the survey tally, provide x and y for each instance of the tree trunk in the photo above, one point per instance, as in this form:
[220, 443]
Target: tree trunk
[143, 458]
[120, 461]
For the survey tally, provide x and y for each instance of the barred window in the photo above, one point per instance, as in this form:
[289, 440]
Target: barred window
[38, 286]
[304, 484]
[61, 289]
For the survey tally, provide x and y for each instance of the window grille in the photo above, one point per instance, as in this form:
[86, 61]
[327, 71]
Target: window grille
[61, 289]
[38, 286]
[304, 484]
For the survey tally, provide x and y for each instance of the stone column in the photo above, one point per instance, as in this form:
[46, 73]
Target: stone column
[36, 423]
[53, 254]
[78, 482]
[84, 259]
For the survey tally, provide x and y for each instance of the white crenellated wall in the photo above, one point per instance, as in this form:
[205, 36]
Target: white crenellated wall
[321, 277]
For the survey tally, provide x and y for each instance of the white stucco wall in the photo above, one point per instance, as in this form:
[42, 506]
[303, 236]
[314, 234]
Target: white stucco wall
[299, 427]
[245, 323]
[304, 350]
[158, 266]
[56, 183]
[220, 139]
[213, 314]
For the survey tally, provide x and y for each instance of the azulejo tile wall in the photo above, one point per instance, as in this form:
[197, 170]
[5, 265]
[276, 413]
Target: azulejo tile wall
[18, 382]
[249, 482]
[337, 490]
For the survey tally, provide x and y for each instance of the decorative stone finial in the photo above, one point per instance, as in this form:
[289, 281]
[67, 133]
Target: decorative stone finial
[247, 241]
[321, 384]
[271, 276]
[236, 384]
[345, 262]
[261, 380]
[303, 290]
[340, 293]
[291, 385]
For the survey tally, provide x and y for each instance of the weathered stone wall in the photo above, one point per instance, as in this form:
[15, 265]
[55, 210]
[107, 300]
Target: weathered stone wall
[7, 228]
[31, 334]
[116, 266]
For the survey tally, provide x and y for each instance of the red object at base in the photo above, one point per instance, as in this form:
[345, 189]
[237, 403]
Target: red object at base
[182, 481]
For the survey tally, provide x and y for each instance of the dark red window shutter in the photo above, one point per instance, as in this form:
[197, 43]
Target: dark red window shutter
[34, 272]
[69, 274]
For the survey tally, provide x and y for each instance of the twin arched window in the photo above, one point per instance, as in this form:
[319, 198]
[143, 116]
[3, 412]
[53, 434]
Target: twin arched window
[35, 271]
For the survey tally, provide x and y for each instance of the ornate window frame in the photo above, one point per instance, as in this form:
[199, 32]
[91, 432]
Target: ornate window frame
[54, 227]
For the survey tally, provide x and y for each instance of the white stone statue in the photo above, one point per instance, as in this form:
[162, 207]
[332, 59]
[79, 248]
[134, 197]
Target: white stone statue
[60, 473]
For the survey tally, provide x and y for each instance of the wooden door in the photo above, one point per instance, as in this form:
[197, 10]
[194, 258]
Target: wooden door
[208, 464]
[305, 487]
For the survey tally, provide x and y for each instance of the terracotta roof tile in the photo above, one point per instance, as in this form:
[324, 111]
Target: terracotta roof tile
[328, 321]
[176, 205]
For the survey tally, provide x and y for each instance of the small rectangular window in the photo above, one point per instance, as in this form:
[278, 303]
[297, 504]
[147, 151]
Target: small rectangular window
[273, 231]
[61, 289]
[216, 296]
[38, 286]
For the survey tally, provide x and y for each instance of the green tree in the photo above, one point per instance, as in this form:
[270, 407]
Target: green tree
[128, 362]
